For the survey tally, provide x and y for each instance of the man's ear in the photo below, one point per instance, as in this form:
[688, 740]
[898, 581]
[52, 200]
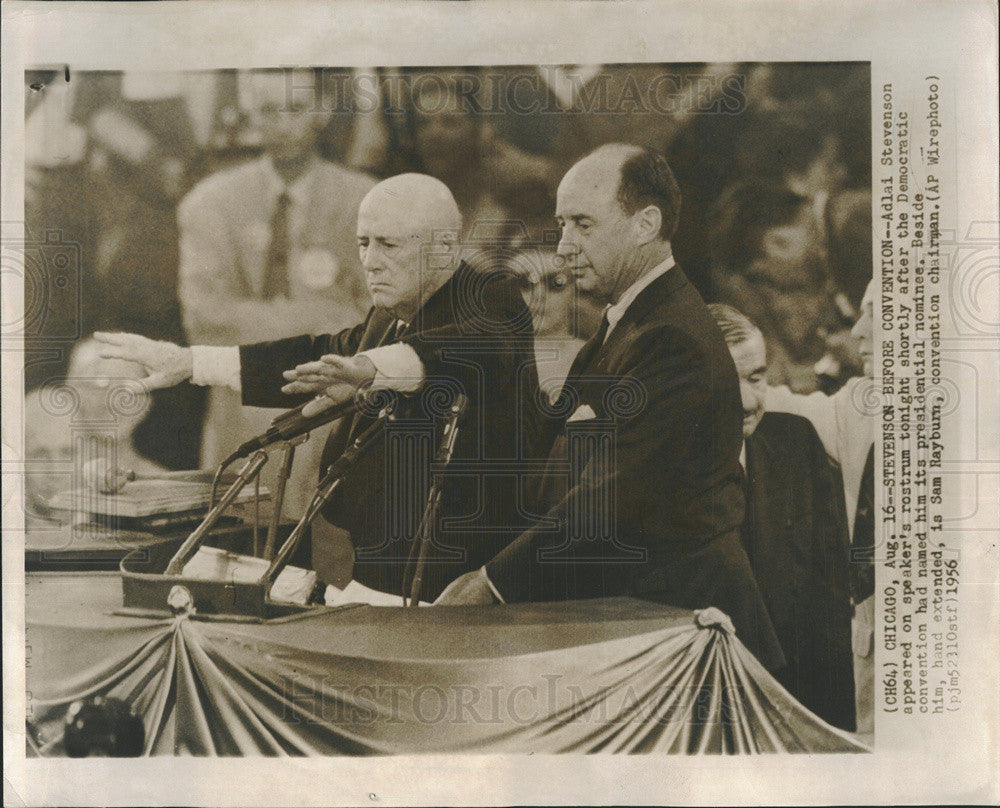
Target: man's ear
[448, 239]
[647, 223]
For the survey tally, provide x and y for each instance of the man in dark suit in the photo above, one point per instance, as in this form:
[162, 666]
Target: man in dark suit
[795, 535]
[643, 494]
[437, 328]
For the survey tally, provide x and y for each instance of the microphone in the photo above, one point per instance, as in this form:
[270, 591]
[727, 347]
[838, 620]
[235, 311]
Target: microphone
[292, 424]
[450, 433]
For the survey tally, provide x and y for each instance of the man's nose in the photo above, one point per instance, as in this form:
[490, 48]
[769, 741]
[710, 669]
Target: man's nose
[567, 247]
[371, 260]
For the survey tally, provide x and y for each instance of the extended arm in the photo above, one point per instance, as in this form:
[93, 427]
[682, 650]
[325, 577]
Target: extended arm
[258, 367]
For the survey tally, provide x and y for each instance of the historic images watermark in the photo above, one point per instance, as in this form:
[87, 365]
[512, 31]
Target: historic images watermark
[519, 703]
[517, 91]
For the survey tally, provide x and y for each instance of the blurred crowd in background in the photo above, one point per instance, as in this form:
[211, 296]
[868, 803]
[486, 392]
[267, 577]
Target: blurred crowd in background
[773, 161]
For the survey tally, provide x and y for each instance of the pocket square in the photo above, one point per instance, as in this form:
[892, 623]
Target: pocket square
[583, 413]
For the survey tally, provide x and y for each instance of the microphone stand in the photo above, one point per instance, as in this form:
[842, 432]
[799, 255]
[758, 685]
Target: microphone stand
[287, 458]
[426, 527]
[191, 544]
[255, 448]
[334, 475]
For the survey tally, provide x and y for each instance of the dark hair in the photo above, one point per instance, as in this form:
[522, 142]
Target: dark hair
[735, 326]
[646, 179]
[741, 217]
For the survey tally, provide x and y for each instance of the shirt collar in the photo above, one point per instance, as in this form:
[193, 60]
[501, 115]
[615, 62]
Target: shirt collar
[299, 190]
[617, 311]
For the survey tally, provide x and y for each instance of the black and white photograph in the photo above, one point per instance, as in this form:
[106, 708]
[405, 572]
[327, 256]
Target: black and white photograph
[479, 405]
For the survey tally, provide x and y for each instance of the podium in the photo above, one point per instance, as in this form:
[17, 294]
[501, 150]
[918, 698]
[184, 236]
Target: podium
[244, 589]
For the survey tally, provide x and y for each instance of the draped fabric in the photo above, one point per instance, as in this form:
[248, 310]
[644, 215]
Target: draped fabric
[613, 675]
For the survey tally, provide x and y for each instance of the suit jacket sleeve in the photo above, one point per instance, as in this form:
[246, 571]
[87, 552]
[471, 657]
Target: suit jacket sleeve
[262, 364]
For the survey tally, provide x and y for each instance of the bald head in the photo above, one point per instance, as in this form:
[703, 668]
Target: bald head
[417, 202]
[603, 165]
[408, 229]
[636, 178]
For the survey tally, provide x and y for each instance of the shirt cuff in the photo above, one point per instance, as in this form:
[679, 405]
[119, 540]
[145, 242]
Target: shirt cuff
[213, 366]
[397, 367]
[489, 583]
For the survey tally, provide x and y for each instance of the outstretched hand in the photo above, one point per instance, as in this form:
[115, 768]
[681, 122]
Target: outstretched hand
[165, 363]
[334, 379]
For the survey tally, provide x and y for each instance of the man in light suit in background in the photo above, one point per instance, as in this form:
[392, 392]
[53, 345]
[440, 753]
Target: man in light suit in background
[268, 251]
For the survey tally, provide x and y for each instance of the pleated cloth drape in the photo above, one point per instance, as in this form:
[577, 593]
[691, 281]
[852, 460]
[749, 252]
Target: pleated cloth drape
[615, 675]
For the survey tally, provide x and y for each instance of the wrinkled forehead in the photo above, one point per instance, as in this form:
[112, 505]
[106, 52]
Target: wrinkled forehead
[384, 214]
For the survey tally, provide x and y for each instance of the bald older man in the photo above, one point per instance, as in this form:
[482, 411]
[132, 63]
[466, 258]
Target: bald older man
[437, 328]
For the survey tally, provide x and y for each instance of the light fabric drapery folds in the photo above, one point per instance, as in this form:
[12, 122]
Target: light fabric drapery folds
[615, 675]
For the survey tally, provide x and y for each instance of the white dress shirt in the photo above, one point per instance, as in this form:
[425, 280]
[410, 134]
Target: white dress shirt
[617, 311]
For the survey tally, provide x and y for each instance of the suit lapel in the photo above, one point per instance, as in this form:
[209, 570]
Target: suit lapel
[759, 458]
[762, 455]
[585, 357]
[775, 499]
[441, 308]
[597, 361]
[381, 330]
[659, 293]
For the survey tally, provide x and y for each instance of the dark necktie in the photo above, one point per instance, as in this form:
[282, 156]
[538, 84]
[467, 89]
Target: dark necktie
[862, 569]
[551, 486]
[276, 268]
